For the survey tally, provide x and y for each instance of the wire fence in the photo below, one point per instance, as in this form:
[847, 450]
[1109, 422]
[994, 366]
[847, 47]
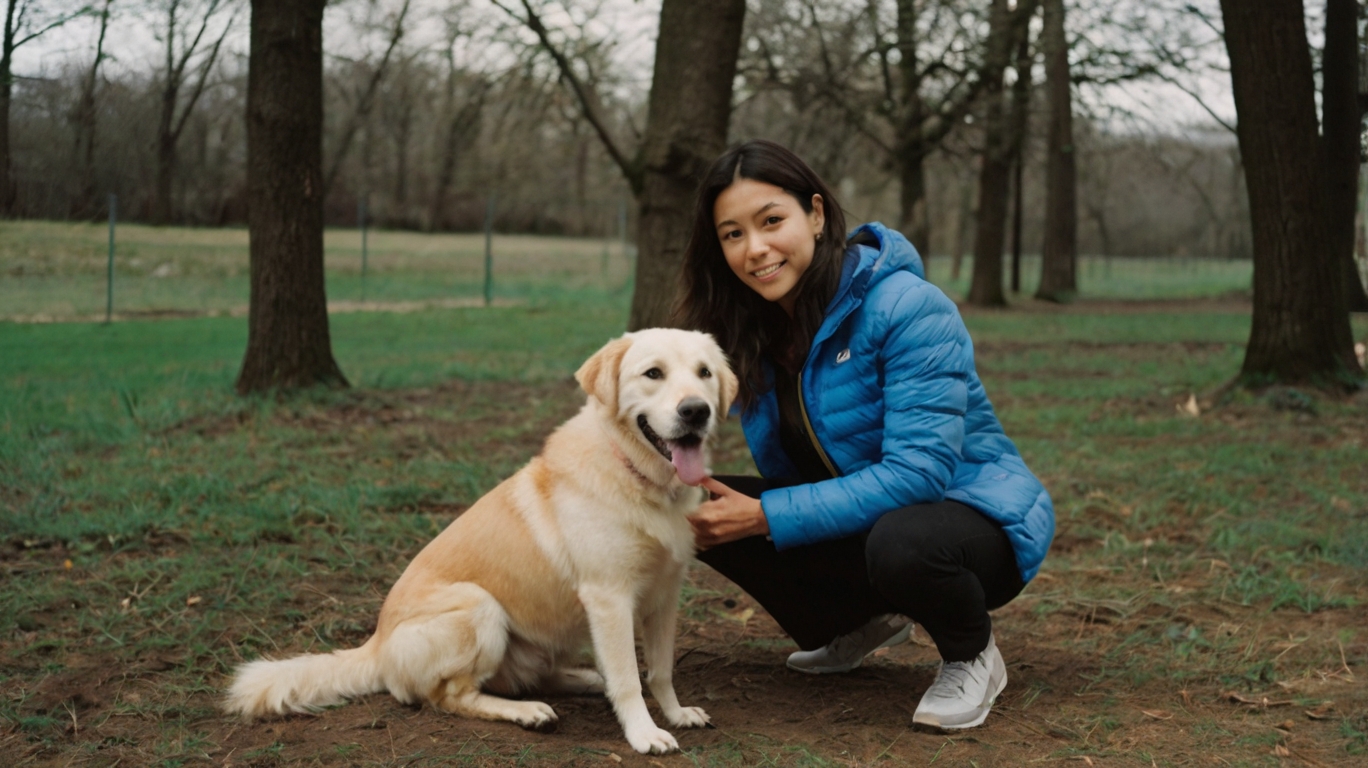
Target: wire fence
[55, 271]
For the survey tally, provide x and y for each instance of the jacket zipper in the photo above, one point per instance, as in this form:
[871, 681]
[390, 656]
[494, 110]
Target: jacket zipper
[812, 435]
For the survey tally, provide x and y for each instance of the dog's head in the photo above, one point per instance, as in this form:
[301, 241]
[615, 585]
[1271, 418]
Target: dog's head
[667, 387]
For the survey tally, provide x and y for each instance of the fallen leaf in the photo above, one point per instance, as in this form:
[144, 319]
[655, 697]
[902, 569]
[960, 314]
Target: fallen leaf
[1190, 408]
[1322, 712]
[66, 564]
[1262, 701]
[1281, 751]
[1157, 714]
[614, 757]
[193, 600]
[742, 616]
[1285, 725]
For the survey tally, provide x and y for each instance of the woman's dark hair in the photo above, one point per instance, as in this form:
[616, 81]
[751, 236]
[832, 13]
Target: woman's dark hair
[748, 327]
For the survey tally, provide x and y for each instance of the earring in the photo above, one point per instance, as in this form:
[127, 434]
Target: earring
[819, 237]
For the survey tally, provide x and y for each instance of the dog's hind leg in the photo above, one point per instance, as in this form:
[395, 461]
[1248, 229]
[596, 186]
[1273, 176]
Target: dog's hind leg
[463, 697]
[457, 640]
[572, 681]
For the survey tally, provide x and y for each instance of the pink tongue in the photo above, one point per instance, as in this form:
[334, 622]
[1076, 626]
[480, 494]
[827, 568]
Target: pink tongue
[688, 463]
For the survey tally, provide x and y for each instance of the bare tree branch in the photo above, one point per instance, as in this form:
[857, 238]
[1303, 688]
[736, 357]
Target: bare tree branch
[365, 102]
[590, 102]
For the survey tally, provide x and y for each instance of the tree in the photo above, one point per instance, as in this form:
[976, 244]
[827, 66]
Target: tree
[83, 116]
[365, 100]
[901, 84]
[686, 129]
[174, 114]
[1020, 121]
[1005, 25]
[463, 104]
[288, 345]
[23, 24]
[1058, 275]
[1300, 332]
[1341, 120]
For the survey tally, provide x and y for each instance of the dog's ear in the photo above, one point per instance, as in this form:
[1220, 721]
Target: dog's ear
[727, 389]
[599, 374]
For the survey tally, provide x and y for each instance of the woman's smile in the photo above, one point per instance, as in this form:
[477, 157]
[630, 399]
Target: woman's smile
[765, 273]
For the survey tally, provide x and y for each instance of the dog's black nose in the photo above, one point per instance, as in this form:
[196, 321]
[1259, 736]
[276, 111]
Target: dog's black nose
[694, 411]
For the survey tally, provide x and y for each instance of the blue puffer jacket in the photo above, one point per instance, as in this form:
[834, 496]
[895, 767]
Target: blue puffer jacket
[893, 399]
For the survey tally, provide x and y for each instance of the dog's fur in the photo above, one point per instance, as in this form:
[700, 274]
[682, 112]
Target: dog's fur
[588, 542]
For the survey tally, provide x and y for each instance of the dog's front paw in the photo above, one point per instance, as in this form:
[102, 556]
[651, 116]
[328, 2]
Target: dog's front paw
[536, 716]
[690, 717]
[650, 740]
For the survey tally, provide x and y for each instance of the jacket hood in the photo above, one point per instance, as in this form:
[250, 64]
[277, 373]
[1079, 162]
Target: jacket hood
[875, 253]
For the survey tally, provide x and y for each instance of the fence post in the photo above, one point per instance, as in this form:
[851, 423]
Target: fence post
[607, 238]
[109, 273]
[489, 252]
[361, 222]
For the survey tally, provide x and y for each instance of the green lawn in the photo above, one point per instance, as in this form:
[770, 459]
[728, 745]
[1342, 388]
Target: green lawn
[156, 529]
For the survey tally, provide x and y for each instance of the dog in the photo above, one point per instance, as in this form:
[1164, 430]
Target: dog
[584, 546]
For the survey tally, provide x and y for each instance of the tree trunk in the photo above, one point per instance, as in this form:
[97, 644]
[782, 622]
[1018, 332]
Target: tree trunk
[85, 124]
[1340, 141]
[914, 221]
[446, 171]
[985, 288]
[1300, 332]
[910, 148]
[1021, 118]
[166, 168]
[1059, 253]
[6, 97]
[686, 129]
[288, 344]
[166, 142]
[964, 219]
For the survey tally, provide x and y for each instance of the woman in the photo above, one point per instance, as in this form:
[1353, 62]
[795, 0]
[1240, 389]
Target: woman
[889, 489]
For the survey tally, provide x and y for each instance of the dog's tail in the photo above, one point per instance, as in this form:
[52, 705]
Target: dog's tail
[304, 683]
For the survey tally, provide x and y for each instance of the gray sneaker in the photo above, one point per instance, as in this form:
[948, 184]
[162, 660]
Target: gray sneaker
[848, 651]
[964, 691]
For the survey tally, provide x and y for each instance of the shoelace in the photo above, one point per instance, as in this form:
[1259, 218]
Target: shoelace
[952, 678]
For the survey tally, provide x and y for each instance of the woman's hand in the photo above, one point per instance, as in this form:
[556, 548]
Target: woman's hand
[727, 517]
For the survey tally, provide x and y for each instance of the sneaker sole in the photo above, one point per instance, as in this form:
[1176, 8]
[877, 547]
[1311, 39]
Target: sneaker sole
[977, 715]
[901, 637]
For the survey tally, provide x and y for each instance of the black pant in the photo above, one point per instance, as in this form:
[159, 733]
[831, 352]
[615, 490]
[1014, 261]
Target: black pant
[943, 565]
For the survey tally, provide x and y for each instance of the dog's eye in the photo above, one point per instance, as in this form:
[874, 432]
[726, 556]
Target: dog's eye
[655, 373]
[704, 373]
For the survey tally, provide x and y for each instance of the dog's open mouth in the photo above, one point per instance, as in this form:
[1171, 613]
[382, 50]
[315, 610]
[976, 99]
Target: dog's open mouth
[684, 452]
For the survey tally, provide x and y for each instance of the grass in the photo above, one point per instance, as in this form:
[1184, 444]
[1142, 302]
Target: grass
[157, 529]
[58, 270]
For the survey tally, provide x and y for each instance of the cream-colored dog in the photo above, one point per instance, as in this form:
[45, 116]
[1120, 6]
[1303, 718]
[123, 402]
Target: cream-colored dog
[585, 544]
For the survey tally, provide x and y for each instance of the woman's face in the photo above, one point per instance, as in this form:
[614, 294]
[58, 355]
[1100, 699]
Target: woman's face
[767, 237]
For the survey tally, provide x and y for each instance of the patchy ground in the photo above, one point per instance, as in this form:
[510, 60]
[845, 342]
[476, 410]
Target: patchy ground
[1201, 605]
[1063, 702]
